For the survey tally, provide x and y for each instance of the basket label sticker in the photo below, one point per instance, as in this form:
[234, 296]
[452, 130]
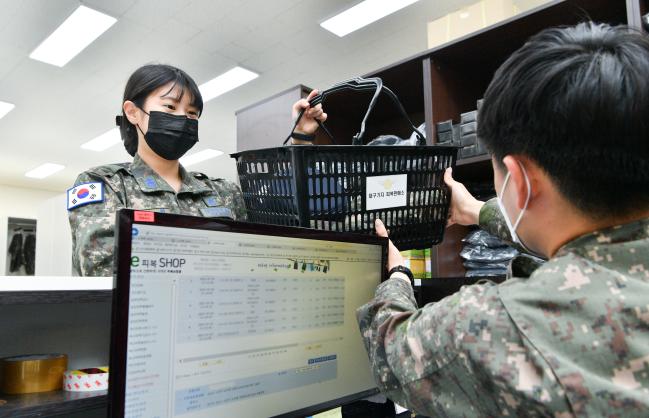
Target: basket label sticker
[382, 192]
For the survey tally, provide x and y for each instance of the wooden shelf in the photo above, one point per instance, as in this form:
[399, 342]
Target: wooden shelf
[473, 160]
[49, 404]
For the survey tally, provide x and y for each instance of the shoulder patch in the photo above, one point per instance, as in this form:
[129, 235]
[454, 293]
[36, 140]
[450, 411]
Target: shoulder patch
[85, 193]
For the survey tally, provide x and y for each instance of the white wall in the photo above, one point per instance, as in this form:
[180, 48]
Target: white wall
[53, 238]
[20, 203]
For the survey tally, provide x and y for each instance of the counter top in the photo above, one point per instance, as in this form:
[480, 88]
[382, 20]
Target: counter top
[20, 290]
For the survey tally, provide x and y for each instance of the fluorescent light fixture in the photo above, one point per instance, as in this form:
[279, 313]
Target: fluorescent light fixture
[225, 82]
[78, 31]
[5, 108]
[103, 141]
[363, 14]
[44, 170]
[200, 156]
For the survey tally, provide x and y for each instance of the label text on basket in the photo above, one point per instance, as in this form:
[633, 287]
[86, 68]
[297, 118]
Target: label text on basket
[384, 192]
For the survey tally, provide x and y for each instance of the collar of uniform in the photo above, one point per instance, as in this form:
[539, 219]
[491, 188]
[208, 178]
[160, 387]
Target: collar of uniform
[633, 231]
[191, 184]
[523, 265]
[150, 181]
[147, 179]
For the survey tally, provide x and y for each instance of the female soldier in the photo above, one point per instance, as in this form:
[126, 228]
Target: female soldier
[159, 124]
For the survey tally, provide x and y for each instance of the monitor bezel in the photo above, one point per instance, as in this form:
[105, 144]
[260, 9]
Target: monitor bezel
[125, 219]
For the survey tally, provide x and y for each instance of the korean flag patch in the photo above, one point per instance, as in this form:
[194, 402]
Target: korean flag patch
[85, 193]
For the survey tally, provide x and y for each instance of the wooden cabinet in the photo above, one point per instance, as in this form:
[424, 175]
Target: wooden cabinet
[441, 83]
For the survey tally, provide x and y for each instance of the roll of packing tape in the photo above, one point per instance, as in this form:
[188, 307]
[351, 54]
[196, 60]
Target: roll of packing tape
[32, 373]
[86, 380]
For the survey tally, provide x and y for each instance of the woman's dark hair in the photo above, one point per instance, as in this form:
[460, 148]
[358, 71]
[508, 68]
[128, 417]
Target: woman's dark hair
[576, 101]
[142, 83]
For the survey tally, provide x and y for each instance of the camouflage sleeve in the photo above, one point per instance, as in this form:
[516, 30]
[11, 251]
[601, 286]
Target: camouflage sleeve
[492, 221]
[234, 198]
[93, 231]
[408, 347]
[238, 204]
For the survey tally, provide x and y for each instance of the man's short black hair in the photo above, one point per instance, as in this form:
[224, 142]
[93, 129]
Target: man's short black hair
[576, 101]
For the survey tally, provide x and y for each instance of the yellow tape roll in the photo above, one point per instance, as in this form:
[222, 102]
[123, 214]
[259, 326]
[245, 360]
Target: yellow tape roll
[32, 373]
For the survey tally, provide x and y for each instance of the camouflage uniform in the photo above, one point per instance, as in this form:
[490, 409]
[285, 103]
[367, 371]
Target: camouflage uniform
[571, 339]
[137, 186]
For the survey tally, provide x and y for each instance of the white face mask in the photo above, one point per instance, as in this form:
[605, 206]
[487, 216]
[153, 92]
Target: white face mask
[512, 228]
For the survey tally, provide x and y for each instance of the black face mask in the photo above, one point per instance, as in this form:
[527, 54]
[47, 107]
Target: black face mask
[170, 136]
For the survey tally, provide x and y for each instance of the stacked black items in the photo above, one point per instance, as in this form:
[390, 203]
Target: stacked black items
[464, 134]
[445, 132]
[485, 255]
[469, 134]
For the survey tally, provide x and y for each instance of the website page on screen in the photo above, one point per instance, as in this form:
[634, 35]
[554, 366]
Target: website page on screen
[231, 324]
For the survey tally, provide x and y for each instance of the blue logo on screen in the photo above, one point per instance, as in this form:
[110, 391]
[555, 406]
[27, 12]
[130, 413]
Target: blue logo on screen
[135, 232]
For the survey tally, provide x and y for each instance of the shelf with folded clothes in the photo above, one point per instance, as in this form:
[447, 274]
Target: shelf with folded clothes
[446, 260]
[49, 404]
[459, 72]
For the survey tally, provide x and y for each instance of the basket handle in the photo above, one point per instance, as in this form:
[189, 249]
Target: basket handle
[360, 84]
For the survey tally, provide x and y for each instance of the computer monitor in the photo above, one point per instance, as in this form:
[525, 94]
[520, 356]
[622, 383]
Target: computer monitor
[215, 318]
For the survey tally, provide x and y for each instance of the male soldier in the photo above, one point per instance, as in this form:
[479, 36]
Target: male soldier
[566, 119]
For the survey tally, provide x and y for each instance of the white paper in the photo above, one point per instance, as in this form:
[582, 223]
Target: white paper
[383, 192]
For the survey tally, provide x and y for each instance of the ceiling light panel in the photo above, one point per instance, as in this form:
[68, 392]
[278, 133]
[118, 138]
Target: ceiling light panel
[44, 170]
[227, 81]
[78, 31]
[363, 14]
[5, 108]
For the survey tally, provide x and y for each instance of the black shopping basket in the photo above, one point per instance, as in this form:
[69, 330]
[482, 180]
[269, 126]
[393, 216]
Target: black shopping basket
[348, 187]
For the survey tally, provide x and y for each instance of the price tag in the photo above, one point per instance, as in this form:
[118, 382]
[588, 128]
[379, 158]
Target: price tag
[382, 192]
[143, 216]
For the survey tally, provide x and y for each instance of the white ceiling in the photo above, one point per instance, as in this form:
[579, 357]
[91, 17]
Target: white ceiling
[58, 109]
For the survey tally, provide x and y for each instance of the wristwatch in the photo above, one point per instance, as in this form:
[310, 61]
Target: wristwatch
[303, 137]
[405, 270]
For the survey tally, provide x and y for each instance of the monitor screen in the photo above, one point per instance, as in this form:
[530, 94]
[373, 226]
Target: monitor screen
[226, 319]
